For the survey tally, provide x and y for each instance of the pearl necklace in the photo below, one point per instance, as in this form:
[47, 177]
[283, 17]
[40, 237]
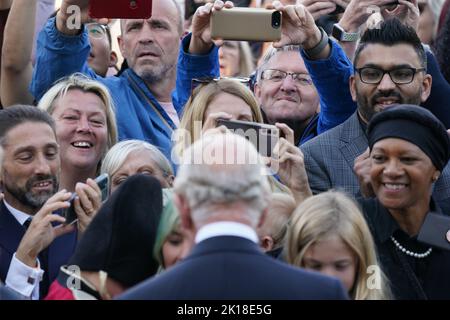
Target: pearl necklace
[410, 253]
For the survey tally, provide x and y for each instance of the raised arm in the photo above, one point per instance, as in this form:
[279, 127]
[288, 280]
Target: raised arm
[16, 69]
[62, 48]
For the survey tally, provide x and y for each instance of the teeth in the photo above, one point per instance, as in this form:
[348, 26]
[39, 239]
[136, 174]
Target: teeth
[82, 144]
[42, 184]
[394, 186]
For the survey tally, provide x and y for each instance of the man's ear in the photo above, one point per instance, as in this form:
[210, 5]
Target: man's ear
[113, 59]
[182, 205]
[426, 87]
[123, 51]
[257, 91]
[352, 84]
[267, 243]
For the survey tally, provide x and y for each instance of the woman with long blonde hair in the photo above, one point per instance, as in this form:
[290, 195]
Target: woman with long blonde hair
[328, 233]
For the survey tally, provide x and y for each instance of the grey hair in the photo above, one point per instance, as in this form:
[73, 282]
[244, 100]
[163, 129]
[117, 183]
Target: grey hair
[117, 155]
[270, 53]
[223, 183]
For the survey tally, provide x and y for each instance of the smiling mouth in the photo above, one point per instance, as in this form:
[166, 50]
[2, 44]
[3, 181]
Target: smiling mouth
[43, 184]
[395, 186]
[82, 145]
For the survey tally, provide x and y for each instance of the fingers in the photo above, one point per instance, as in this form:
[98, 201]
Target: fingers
[56, 202]
[89, 197]
[63, 229]
[287, 131]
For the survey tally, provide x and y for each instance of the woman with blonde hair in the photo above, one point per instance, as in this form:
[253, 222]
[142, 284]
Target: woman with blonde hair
[86, 128]
[328, 233]
[230, 99]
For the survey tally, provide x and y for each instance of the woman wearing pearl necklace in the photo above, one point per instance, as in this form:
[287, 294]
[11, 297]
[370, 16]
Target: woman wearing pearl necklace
[409, 148]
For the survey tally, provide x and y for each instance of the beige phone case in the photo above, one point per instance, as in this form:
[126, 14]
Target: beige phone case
[252, 24]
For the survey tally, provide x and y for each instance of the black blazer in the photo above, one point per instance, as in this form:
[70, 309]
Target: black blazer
[228, 267]
[11, 233]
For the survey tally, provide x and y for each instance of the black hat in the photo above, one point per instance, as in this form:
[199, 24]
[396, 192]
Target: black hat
[121, 237]
[416, 125]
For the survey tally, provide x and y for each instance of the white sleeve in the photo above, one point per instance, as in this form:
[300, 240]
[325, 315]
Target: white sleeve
[24, 279]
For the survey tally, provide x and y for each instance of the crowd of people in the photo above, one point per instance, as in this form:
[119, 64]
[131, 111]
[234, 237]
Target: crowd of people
[193, 210]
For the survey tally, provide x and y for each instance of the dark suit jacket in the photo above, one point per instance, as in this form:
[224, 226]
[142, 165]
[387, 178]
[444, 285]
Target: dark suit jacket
[227, 267]
[11, 233]
[329, 160]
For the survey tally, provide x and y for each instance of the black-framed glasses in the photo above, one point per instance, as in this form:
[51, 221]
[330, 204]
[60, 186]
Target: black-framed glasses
[96, 30]
[196, 82]
[402, 75]
[275, 75]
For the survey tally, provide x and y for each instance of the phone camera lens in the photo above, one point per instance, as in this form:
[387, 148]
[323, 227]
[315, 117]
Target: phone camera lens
[276, 19]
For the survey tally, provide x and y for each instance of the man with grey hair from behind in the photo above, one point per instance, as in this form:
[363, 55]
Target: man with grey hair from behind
[222, 197]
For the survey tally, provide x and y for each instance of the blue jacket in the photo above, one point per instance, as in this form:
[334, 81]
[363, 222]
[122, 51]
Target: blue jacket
[330, 75]
[59, 55]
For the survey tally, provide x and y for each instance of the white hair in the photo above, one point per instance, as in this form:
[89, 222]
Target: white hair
[224, 181]
[117, 155]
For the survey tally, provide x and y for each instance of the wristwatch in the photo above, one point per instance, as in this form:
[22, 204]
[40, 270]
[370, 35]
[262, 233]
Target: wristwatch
[340, 35]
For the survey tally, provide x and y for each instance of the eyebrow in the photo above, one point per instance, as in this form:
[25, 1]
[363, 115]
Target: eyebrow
[372, 65]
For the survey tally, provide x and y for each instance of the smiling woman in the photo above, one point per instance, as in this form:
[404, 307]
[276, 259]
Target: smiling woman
[85, 126]
[405, 163]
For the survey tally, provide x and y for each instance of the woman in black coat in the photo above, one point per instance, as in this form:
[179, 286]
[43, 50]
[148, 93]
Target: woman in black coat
[409, 149]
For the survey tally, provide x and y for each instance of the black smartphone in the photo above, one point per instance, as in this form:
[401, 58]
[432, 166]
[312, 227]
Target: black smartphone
[70, 214]
[263, 136]
[435, 231]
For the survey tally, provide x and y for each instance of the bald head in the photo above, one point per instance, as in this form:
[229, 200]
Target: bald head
[178, 13]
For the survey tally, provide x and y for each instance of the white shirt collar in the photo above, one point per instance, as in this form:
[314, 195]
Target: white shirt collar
[226, 228]
[20, 216]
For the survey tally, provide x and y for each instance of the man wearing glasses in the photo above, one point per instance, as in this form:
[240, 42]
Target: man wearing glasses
[286, 93]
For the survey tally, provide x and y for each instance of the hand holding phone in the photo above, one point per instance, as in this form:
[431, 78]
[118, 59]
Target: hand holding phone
[120, 9]
[70, 213]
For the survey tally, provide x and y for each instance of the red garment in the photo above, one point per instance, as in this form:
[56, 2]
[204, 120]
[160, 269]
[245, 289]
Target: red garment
[58, 292]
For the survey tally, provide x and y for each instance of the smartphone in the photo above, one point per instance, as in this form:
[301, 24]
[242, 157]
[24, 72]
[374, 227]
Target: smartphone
[120, 9]
[70, 214]
[435, 231]
[249, 24]
[263, 136]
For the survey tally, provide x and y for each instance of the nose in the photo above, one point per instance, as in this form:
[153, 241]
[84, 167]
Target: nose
[288, 84]
[386, 83]
[42, 165]
[393, 169]
[329, 271]
[146, 33]
[84, 125]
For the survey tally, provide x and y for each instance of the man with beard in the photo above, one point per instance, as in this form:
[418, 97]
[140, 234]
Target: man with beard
[148, 107]
[390, 68]
[33, 243]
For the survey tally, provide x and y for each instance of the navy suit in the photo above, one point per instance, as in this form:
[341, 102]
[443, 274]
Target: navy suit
[228, 267]
[58, 253]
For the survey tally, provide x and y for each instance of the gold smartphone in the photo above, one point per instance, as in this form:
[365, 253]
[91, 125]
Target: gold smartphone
[250, 24]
